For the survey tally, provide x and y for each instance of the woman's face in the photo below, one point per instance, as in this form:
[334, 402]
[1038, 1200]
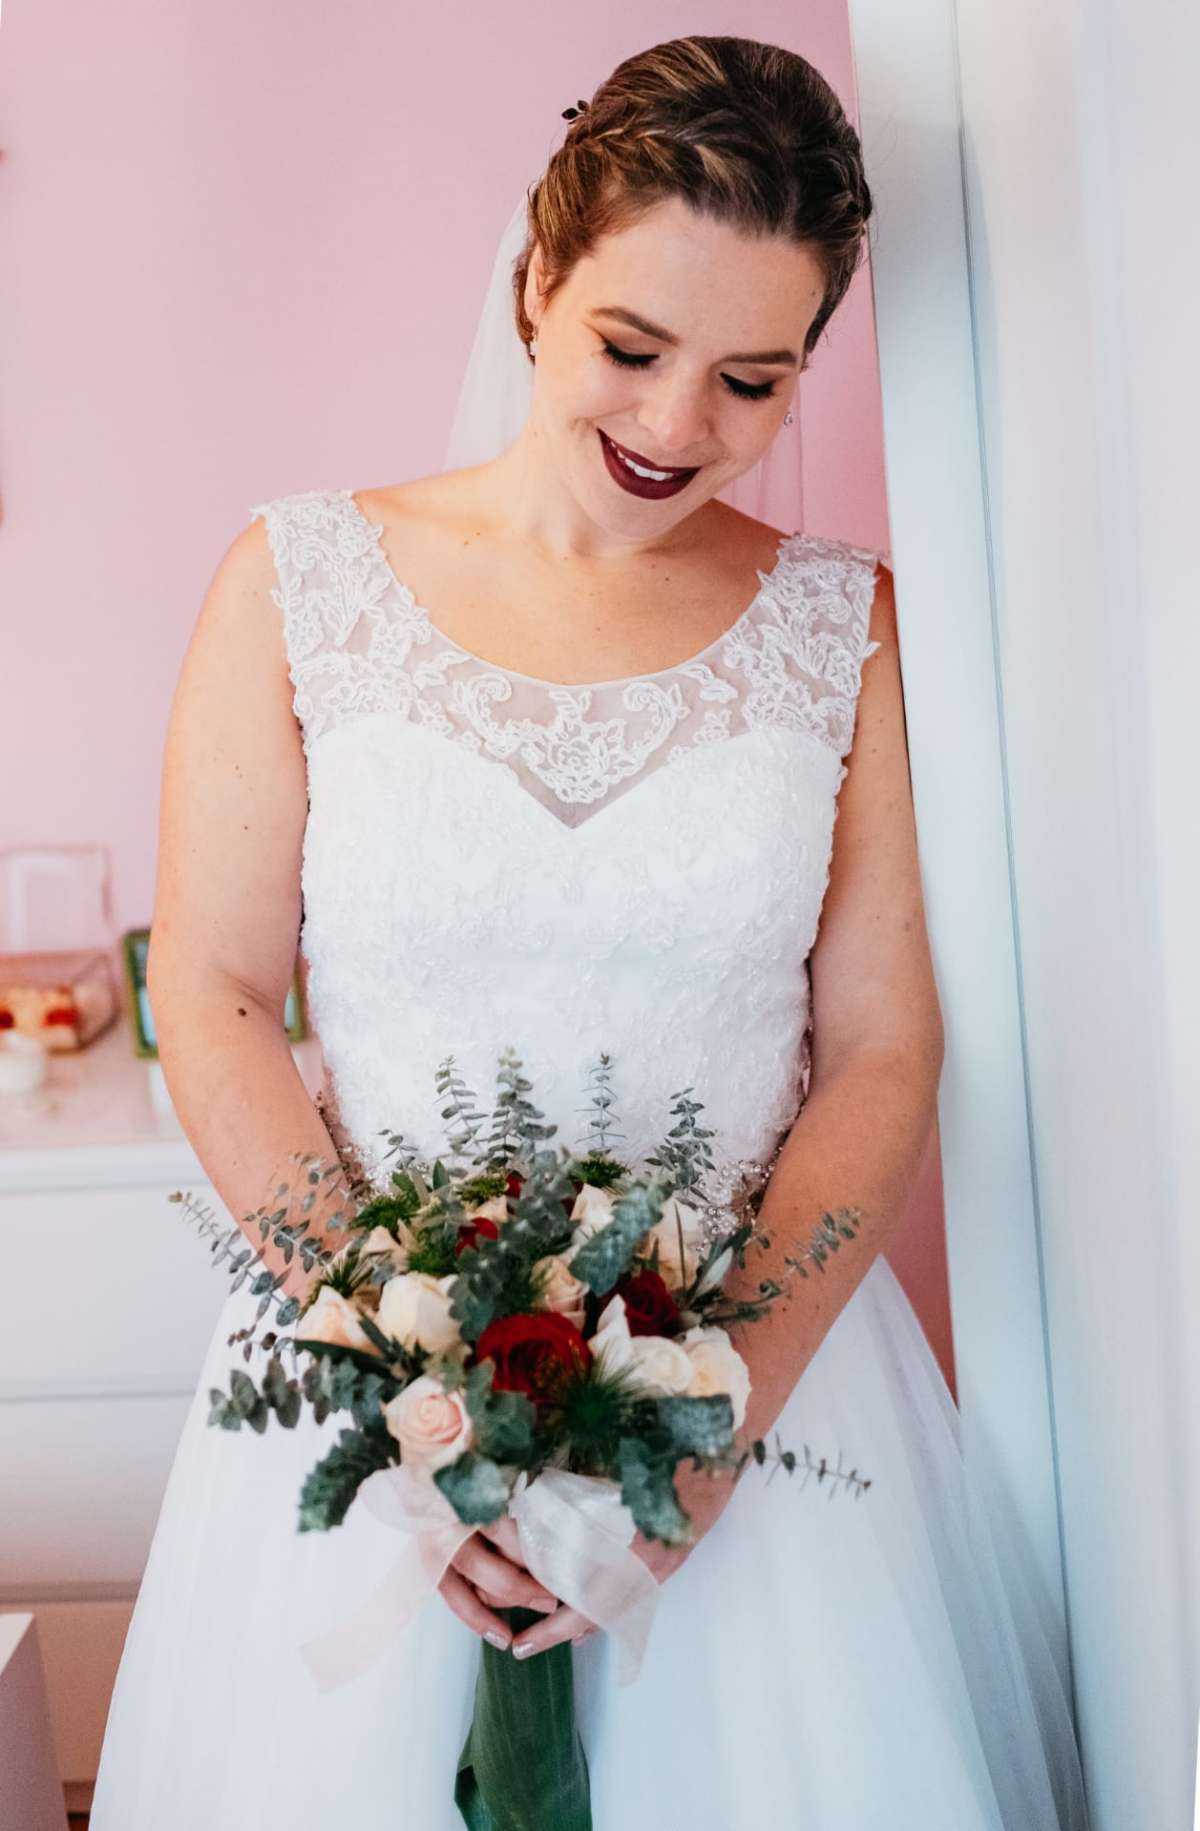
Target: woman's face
[701, 383]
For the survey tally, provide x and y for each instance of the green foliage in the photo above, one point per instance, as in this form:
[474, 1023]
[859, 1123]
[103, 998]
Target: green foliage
[389, 1210]
[281, 1393]
[685, 1153]
[476, 1487]
[603, 1259]
[517, 1123]
[698, 1427]
[596, 1413]
[484, 1186]
[330, 1488]
[434, 1253]
[601, 1172]
[600, 1122]
[648, 1490]
[460, 1106]
[346, 1277]
[248, 1405]
[243, 1405]
[291, 1238]
[504, 1421]
[790, 1461]
[827, 1237]
[495, 1277]
[344, 1379]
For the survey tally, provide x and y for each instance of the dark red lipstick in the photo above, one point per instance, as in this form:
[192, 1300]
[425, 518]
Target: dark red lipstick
[652, 488]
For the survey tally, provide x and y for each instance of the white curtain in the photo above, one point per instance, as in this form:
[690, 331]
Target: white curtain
[1036, 165]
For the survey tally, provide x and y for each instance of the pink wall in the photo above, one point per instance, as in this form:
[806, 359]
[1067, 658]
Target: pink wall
[250, 245]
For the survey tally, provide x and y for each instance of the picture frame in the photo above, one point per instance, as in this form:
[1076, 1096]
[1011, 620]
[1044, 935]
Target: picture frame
[135, 953]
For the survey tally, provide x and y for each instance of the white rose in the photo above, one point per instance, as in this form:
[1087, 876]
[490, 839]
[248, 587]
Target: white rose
[431, 1425]
[676, 1215]
[495, 1209]
[333, 1318]
[561, 1291]
[717, 1367]
[610, 1342]
[654, 1363]
[661, 1365]
[414, 1309]
[591, 1211]
[398, 1245]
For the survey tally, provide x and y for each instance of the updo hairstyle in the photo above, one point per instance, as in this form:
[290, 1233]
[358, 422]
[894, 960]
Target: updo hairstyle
[745, 133]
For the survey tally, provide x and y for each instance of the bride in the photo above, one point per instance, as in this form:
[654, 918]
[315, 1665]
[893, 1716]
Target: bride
[522, 756]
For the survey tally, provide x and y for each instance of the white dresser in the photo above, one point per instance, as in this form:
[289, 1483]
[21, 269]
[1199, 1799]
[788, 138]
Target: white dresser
[111, 1296]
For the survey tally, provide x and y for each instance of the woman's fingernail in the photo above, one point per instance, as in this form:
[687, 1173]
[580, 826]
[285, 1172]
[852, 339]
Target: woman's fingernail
[496, 1640]
[522, 1651]
[546, 1603]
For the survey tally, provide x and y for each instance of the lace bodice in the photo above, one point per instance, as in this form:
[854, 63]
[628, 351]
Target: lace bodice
[632, 865]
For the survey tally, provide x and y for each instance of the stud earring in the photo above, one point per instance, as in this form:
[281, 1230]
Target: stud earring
[787, 418]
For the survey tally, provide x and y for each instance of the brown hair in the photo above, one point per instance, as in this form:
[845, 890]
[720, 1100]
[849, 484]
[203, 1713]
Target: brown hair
[747, 133]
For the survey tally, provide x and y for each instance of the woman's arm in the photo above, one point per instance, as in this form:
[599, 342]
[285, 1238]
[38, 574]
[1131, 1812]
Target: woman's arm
[225, 928]
[241, 1100]
[878, 1045]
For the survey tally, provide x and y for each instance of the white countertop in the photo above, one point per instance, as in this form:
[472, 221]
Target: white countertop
[103, 1117]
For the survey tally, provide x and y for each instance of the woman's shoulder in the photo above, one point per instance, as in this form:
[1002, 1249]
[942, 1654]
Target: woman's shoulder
[297, 506]
[792, 550]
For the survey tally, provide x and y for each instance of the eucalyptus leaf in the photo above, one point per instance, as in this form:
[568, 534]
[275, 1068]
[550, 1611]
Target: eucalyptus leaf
[604, 1258]
[331, 1486]
[476, 1487]
[504, 1421]
[648, 1490]
[698, 1427]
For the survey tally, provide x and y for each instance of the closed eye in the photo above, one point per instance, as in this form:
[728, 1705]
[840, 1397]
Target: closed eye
[744, 390]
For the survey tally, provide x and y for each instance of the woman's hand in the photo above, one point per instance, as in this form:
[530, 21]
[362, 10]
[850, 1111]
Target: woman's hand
[480, 1574]
[703, 1498]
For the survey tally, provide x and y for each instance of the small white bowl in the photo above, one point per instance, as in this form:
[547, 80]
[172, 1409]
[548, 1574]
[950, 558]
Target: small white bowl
[22, 1062]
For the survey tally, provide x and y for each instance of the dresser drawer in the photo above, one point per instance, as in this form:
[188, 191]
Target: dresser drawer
[132, 1293]
[83, 1483]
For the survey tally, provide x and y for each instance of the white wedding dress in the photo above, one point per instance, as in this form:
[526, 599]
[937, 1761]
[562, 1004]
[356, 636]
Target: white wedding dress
[635, 866]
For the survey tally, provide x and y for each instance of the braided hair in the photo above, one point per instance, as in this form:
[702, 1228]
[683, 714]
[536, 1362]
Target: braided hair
[747, 133]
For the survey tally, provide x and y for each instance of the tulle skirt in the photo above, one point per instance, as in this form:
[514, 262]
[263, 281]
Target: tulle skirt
[818, 1661]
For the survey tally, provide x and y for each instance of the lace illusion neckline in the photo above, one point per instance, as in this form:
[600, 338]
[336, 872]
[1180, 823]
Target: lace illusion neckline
[375, 529]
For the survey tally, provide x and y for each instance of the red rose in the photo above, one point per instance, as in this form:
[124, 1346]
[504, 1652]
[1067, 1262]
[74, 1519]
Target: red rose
[650, 1308]
[469, 1232]
[513, 1182]
[537, 1355]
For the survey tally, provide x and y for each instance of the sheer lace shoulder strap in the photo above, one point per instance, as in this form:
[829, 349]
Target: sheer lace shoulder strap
[329, 584]
[802, 656]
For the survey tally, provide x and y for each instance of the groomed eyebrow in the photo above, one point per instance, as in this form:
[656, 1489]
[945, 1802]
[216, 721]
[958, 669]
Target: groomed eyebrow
[664, 336]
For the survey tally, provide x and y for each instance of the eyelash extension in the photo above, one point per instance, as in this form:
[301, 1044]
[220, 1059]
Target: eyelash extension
[743, 390]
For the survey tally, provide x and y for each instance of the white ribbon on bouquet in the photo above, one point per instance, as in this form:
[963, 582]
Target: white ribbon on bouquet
[574, 1530]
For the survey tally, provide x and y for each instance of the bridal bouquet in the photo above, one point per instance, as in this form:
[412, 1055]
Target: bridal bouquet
[523, 1330]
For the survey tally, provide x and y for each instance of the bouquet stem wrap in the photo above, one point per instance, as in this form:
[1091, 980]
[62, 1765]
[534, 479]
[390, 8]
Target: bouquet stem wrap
[522, 1767]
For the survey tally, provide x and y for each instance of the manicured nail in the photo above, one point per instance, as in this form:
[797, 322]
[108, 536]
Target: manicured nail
[522, 1651]
[496, 1640]
[545, 1603]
